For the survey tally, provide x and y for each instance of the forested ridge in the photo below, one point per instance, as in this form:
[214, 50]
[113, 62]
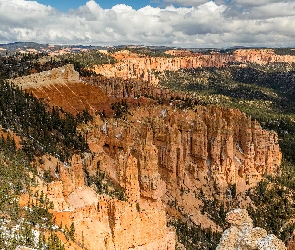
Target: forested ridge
[18, 64]
[42, 129]
[32, 225]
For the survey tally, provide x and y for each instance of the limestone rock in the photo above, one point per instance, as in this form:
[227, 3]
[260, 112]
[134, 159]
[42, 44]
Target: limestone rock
[157, 153]
[171, 151]
[223, 144]
[270, 242]
[241, 225]
[261, 56]
[242, 236]
[132, 227]
[103, 222]
[251, 240]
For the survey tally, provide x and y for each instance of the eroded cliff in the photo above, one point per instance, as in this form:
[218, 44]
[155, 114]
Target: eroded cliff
[133, 66]
[188, 150]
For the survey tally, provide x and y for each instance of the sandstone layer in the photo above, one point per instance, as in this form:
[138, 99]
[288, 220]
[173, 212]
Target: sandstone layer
[291, 244]
[134, 66]
[223, 143]
[63, 87]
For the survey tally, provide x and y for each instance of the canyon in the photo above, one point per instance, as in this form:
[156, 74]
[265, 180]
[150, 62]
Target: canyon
[160, 155]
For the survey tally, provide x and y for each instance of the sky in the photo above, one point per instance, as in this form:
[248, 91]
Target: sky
[177, 23]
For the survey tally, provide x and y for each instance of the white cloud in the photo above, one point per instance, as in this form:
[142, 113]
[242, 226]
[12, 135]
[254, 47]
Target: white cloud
[207, 24]
[273, 10]
[257, 2]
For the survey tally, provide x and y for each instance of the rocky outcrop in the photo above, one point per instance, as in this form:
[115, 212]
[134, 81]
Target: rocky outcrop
[133, 66]
[134, 228]
[73, 97]
[157, 154]
[59, 75]
[291, 243]
[225, 144]
[242, 236]
[133, 89]
[62, 87]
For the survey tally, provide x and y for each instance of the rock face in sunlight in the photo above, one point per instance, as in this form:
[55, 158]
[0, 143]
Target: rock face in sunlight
[102, 220]
[261, 56]
[212, 142]
[183, 150]
[133, 66]
[243, 236]
[291, 244]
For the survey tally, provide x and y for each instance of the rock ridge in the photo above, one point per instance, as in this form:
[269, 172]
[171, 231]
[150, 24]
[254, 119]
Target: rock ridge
[132, 66]
[59, 75]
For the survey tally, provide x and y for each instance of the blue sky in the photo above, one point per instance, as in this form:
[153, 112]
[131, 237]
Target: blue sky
[179, 23]
[65, 5]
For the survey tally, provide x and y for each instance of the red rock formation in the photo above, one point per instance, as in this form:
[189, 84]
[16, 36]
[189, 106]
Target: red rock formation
[103, 222]
[74, 97]
[182, 150]
[261, 56]
[133, 89]
[291, 244]
[132, 66]
[62, 87]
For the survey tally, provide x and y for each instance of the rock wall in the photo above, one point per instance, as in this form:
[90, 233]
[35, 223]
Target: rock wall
[291, 244]
[156, 153]
[133, 228]
[223, 143]
[133, 88]
[133, 66]
[261, 56]
[178, 152]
